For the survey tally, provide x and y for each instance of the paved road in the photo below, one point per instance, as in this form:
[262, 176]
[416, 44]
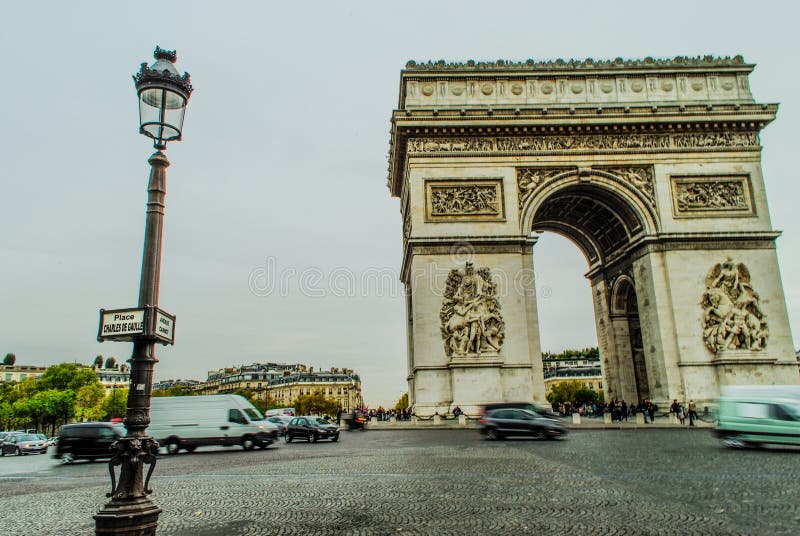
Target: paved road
[436, 482]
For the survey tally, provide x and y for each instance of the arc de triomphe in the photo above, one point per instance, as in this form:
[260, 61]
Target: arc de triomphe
[651, 167]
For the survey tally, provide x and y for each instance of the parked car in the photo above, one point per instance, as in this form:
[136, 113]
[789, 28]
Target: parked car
[188, 422]
[87, 440]
[750, 416]
[281, 421]
[500, 423]
[21, 444]
[311, 429]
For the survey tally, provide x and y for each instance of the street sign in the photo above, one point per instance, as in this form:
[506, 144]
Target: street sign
[164, 327]
[136, 324]
[121, 324]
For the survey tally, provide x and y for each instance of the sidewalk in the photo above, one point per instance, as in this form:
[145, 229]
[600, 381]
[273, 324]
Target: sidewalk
[586, 423]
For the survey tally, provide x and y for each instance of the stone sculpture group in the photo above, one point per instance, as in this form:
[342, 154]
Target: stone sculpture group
[732, 316]
[471, 321]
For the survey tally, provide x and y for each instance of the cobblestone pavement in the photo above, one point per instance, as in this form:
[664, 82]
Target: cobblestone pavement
[435, 482]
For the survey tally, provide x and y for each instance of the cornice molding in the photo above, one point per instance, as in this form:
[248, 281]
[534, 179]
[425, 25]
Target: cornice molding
[588, 64]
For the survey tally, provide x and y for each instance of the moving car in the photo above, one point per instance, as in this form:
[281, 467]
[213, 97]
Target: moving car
[500, 423]
[188, 422]
[281, 421]
[311, 429]
[87, 440]
[21, 444]
[749, 416]
[521, 405]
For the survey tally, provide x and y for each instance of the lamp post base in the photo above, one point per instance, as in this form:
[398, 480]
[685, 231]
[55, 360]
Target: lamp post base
[128, 517]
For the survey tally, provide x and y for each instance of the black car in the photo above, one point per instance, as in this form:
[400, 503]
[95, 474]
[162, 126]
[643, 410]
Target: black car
[88, 440]
[544, 412]
[505, 422]
[311, 429]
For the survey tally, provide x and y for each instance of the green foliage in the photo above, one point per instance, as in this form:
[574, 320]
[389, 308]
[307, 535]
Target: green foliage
[265, 404]
[88, 399]
[402, 403]
[571, 392]
[67, 376]
[175, 390]
[315, 404]
[115, 404]
[9, 359]
[585, 353]
[111, 362]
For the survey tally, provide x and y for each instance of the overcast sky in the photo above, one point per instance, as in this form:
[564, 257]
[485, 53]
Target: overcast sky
[283, 165]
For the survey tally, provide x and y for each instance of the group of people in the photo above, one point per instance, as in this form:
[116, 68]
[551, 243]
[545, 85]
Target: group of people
[681, 412]
[620, 410]
[387, 414]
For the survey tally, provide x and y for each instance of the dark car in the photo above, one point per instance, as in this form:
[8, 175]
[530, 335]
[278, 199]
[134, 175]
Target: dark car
[505, 422]
[311, 429]
[20, 444]
[521, 405]
[88, 440]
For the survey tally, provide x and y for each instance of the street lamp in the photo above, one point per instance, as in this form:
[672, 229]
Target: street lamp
[163, 94]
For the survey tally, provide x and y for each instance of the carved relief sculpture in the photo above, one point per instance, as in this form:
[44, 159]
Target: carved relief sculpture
[719, 195]
[639, 178]
[531, 179]
[732, 316]
[593, 142]
[472, 324]
[460, 200]
[476, 199]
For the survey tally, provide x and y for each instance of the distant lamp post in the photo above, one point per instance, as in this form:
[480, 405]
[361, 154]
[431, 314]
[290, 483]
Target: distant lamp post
[163, 94]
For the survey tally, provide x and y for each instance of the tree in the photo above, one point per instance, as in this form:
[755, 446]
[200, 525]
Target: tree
[88, 400]
[266, 403]
[67, 376]
[564, 392]
[176, 390]
[402, 403]
[98, 362]
[315, 404]
[111, 362]
[115, 403]
[10, 359]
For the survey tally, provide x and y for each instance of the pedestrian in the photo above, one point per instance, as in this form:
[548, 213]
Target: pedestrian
[692, 412]
[457, 412]
[651, 410]
[624, 412]
[682, 413]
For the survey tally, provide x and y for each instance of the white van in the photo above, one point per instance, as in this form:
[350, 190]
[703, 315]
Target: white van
[188, 422]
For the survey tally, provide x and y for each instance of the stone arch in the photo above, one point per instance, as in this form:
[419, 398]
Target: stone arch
[627, 374]
[594, 208]
[622, 292]
[590, 173]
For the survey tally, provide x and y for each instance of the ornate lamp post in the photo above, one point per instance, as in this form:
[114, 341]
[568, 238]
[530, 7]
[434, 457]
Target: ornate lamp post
[163, 94]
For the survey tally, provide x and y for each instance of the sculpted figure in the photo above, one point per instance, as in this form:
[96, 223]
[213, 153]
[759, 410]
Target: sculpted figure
[470, 314]
[732, 315]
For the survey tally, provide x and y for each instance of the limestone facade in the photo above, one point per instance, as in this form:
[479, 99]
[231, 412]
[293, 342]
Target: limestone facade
[651, 167]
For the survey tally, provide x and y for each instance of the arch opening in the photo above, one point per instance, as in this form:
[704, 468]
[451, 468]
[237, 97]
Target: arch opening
[600, 222]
